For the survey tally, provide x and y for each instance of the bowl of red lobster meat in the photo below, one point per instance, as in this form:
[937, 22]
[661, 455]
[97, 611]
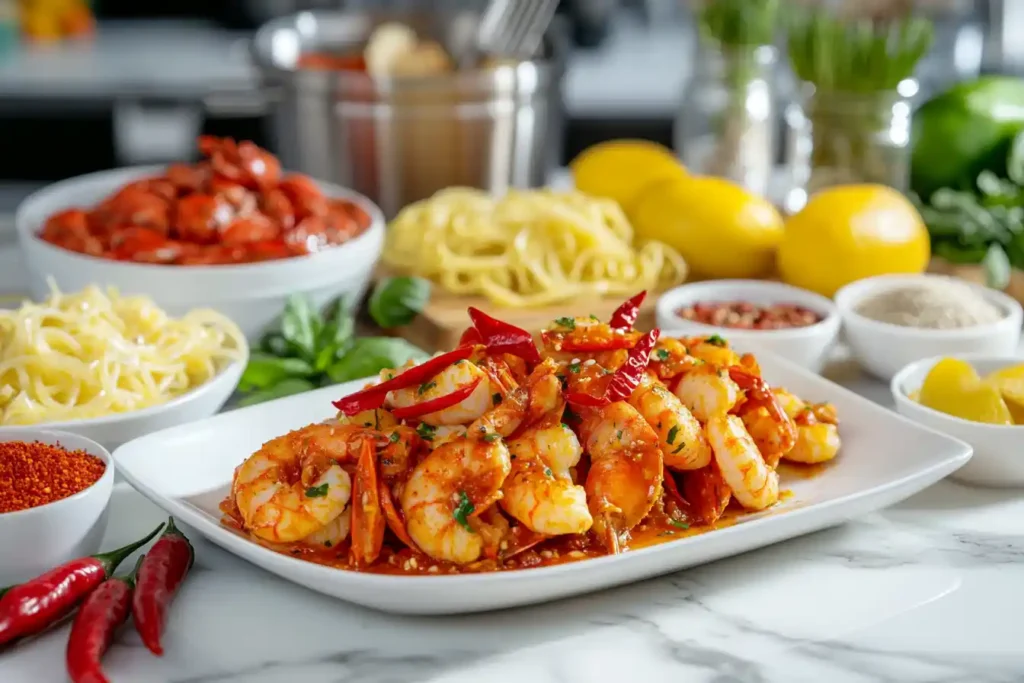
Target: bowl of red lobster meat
[232, 231]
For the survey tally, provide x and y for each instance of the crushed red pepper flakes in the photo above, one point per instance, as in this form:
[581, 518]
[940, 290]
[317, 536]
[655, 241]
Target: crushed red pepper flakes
[35, 473]
[743, 315]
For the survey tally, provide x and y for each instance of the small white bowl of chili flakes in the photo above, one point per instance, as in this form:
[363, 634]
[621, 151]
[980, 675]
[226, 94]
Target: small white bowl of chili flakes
[788, 321]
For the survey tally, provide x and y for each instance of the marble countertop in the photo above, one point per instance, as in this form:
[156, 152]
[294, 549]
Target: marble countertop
[928, 591]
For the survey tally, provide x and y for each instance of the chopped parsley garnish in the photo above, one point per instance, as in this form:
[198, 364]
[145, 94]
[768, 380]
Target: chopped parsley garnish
[394, 437]
[547, 472]
[492, 437]
[594, 317]
[425, 387]
[678, 525]
[496, 398]
[715, 340]
[574, 368]
[662, 355]
[680, 447]
[567, 323]
[391, 375]
[463, 510]
[317, 491]
[619, 435]
[426, 431]
[672, 434]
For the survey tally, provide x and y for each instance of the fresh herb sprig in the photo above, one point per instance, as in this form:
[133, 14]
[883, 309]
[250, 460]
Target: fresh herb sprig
[982, 226]
[311, 348]
[856, 56]
[739, 23]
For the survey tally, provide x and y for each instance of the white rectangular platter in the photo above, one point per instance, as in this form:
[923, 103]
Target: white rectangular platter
[885, 458]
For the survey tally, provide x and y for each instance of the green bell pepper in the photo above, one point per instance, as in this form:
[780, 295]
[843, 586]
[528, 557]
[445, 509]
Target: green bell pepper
[964, 131]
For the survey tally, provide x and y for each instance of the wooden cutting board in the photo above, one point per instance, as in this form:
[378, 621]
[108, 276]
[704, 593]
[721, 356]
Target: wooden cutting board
[440, 325]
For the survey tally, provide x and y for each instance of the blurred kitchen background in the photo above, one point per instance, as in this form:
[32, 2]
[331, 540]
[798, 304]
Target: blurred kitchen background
[148, 76]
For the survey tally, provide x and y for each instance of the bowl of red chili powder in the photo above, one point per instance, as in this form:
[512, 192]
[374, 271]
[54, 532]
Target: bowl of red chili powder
[54, 492]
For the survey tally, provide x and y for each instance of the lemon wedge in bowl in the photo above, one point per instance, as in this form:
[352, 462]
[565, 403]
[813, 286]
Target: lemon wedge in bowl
[953, 387]
[1010, 383]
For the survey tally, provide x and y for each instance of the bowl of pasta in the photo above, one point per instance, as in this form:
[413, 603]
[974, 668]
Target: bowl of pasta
[214, 234]
[112, 368]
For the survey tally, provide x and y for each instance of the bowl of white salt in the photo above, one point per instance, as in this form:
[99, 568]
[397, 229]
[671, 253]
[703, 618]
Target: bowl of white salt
[892, 320]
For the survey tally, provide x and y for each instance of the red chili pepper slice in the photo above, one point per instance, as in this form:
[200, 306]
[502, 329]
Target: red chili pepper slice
[103, 611]
[672, 489]
[501, 337]
[373, 397]
[159, 576]
[31, 607]
[625, 315]
[471, 336]
[626, 378]
[439, 403]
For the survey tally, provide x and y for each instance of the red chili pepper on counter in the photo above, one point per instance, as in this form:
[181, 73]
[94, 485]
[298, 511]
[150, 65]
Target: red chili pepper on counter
[501, 337]
[103, 611]
[439, 403]
[625, 379]
[31, 607]
[625, 315]
[373, 397]
[159, 576]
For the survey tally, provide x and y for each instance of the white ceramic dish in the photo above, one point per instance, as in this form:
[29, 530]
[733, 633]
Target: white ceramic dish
[38, 539]
[998, 454]
[252, 295]
[883, 349]
[187, 471]
[806, 346]
[114, 430]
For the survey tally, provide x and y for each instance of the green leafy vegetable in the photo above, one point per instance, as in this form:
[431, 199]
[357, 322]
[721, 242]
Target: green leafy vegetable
[663, 355]
[425, 431]
[566, 323]
[715, 340]
[369, 355]
[395, 301]
[463, 510]
[287, 387]
[739, 23]
[298, 326]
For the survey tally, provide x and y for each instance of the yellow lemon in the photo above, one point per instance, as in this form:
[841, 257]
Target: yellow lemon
[1010, 383]
[619, 169]
[953, 387]
[851, 232]
[721, 229]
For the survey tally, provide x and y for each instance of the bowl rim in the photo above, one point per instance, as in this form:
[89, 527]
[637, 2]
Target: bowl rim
[669, 301]
[901, 397]
[850, 295]
[235, 367]
[8, 434]
[124, 174]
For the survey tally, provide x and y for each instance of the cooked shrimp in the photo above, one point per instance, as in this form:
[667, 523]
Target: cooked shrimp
[539, 491]
[284, 496]
[452, 378]
[817, 432]
[625, 473]
[774, 428]
[446, 489]
[333, 533]
[707, 390]
[713, 350]
[706, 492]
[753, 483]
[683, 443]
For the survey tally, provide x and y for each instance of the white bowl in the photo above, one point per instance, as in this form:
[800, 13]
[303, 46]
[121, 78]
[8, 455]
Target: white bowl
[883, 348]
[114, 430]
[998, 457]
[38, 539]
[807, 346]
[252, 294]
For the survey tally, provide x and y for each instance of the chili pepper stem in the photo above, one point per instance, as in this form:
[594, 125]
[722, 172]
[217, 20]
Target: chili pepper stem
[112, 559]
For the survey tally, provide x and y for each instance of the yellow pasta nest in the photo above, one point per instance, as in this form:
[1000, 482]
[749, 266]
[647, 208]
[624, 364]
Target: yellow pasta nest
[528, 248]
[96, 353]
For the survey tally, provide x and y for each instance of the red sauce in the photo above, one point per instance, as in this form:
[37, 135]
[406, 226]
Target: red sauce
[233, 207]
[743, 315]
[323, 61]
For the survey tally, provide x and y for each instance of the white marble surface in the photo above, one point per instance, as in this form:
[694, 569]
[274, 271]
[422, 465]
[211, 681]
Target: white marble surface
[929, 591]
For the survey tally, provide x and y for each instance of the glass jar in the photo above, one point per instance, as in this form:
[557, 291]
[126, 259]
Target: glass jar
[727, 125]
[857, 138]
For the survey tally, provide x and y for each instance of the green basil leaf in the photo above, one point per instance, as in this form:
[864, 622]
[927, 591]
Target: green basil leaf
[299, 324]
[275, 344]
[396, 301]
[288, 387]
[997, 268]
[1015, 160]
[264, 371]
[369, 355]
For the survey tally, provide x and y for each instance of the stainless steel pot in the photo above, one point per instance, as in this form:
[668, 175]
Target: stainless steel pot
[398, 140]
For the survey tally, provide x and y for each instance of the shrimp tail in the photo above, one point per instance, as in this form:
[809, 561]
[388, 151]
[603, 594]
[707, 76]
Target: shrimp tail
[762, 395]
[608, 534]
[519, 540]
[394, 518]
[367, 517]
